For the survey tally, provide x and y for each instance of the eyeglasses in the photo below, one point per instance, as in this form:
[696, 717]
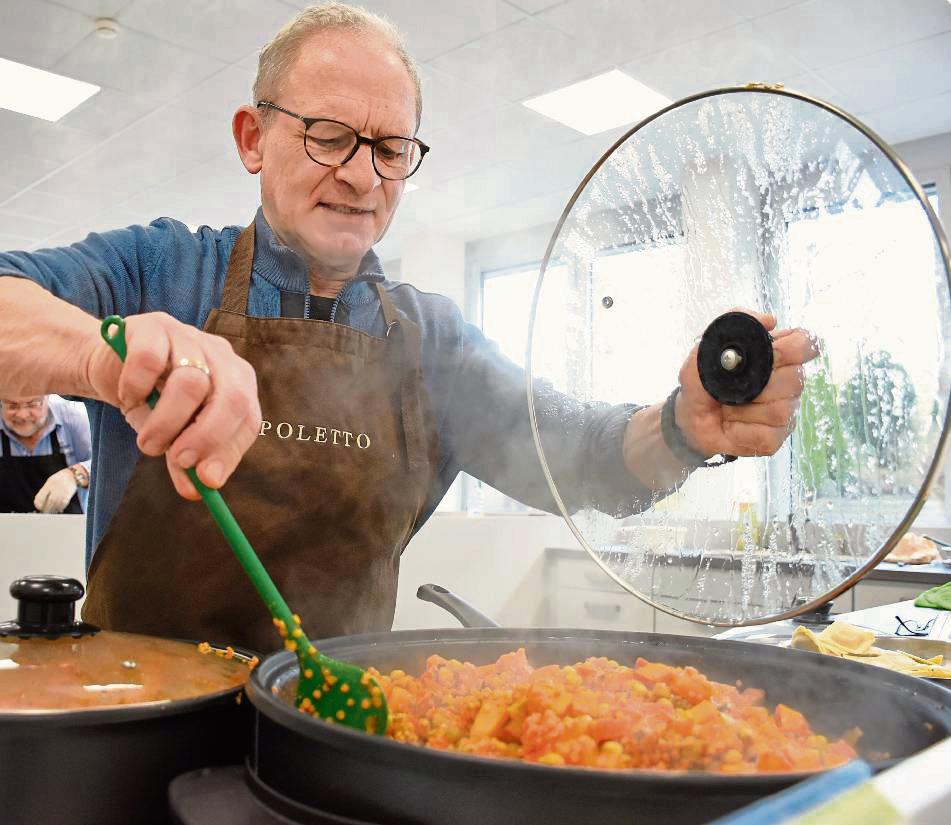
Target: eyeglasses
[15, 406]
[909, 627]
[331, 143]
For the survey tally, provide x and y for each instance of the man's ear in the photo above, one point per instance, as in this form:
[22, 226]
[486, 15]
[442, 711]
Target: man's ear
[247, 126]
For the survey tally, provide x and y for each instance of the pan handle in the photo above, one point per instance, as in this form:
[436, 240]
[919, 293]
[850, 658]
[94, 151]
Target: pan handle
[467, 615]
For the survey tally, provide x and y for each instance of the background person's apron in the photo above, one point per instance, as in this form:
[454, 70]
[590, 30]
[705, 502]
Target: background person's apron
[328, 495]
[22, 476]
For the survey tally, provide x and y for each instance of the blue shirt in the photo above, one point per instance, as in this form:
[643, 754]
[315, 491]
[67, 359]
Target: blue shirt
[72, 432]
[477, 396]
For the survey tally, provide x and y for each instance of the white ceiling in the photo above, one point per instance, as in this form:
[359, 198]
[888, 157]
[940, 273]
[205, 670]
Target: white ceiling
[156, 141]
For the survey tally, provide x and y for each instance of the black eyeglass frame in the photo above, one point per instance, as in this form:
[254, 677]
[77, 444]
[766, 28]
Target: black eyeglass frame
[911, 627]
[361, 141]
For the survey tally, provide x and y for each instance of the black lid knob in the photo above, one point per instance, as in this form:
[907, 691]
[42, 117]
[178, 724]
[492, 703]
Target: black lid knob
[735, 358]
[47, 608]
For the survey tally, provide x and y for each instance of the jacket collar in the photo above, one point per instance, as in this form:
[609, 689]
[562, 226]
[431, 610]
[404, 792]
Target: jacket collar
[282, 267]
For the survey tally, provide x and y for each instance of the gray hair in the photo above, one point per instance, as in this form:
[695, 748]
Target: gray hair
[278, 56]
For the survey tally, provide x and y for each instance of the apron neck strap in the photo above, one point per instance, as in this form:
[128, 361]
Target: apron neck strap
[5, 450]
[411, 382]
[238, 280]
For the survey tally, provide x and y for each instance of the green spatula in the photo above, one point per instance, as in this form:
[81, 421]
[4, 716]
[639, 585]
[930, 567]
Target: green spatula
[331, 690]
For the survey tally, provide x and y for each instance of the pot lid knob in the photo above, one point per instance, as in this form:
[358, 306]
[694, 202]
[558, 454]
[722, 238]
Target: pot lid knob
[735, 358]
[46, 608]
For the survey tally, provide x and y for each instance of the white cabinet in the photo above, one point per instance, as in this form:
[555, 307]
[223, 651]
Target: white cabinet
[875, 593]
[580, 594]
[599, 610]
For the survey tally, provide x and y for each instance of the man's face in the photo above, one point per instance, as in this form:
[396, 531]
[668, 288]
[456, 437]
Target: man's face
[25, 416]
[332, 216]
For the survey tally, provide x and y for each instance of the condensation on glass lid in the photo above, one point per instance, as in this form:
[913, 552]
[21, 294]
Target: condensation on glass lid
[109, 669]
[771, 202]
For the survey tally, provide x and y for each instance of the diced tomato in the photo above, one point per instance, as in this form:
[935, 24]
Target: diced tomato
[600, 714]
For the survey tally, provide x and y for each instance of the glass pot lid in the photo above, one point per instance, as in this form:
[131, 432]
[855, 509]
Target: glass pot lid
[50, 663]
[764, 199]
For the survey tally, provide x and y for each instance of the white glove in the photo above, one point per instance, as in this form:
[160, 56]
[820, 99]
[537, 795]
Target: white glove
[55, 494]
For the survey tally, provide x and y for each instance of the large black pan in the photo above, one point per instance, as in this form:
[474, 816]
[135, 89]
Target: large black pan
[312, 765]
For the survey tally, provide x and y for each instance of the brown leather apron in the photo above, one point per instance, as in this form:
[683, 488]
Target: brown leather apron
[328, 495]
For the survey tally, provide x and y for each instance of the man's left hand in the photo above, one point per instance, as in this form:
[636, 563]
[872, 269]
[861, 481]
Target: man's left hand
[757, 428]
[54, 496]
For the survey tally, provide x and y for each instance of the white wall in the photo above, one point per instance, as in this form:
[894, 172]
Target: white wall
[493, 562]
[435, 263]
[31, 543]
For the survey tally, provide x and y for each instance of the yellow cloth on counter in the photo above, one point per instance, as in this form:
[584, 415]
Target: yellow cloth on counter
[849, 642]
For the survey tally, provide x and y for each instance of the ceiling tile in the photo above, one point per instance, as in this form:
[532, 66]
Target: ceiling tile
[96, 8]
[108, 112]
[911, 120]
[621, 31]
[138, 65]
[525, 59]
[220, 95]
[751, 9]
[217, 194]
[122, 167]
[448, 100]
[534, 6]
[821, 33]
[24, 227]
[226, 29]
[908, 72]
[65, 237]
[432, 27]
[24, 135]
[165, 133]
[35, 203]
[733, 57]
[509, 132]
[38, 33]
[20, 171]
[809, 83]
[250, 61]
[14, 243]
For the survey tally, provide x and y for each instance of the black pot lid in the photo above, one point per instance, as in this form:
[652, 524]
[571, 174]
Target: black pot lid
[764, 199]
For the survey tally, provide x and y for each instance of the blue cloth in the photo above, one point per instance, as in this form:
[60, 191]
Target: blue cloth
[72, 432]
[801, 798]
[477, 396]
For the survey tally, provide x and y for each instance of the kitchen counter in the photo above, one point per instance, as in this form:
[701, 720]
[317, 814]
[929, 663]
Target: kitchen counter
[927, 574]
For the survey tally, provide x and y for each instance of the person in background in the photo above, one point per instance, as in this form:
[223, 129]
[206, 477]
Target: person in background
[45, 456]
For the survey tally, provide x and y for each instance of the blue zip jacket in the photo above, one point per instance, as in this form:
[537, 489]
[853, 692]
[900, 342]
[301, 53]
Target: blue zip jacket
[477, 395]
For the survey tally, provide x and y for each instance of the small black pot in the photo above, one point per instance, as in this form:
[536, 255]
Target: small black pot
[110, 765]
[113, 766]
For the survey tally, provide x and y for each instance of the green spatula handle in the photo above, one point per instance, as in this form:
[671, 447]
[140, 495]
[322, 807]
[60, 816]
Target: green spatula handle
[113, 332]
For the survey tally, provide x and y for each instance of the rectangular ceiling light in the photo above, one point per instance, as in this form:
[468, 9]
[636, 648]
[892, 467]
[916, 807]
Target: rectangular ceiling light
[40, 94]
[601, 103]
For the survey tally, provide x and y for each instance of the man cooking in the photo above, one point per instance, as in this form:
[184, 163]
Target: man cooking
[44, 455]
[362, 397]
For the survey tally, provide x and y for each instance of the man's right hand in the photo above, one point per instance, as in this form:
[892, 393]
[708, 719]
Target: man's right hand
[201, 421]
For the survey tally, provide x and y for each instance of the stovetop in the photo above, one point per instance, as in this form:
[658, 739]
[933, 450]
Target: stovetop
[224, 796]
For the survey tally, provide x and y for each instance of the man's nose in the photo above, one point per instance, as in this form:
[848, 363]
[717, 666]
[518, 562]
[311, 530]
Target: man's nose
[359, 171]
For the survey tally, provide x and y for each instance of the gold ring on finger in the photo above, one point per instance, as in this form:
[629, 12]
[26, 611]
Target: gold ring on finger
[194, 363]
